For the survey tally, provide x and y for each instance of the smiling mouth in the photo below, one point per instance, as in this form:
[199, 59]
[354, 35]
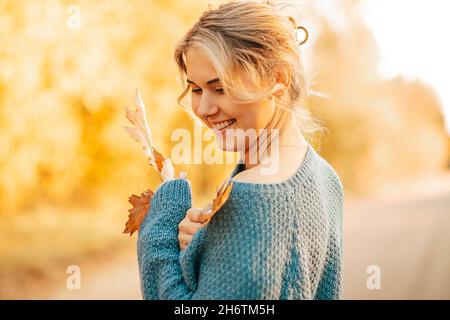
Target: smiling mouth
[224, 125]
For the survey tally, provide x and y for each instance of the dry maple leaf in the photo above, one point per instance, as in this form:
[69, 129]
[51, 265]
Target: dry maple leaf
[222, 195]
[164, 166]
[141, 206]
[142, 134]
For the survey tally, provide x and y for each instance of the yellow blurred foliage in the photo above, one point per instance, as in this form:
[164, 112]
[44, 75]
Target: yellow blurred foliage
[379, 130]
[63, 87]
[67, 71]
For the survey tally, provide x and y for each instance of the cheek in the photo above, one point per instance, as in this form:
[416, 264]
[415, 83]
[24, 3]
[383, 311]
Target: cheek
[194, 103]
[249, 117]
[236, 111]
[262, 115]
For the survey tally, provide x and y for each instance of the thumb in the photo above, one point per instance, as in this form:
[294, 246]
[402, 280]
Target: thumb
[183, 175]
[207, 209]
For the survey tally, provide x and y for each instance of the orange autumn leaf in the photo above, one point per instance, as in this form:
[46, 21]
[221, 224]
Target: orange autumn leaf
[222, 195]
[141, 133]
[141, 206]
[159, 159]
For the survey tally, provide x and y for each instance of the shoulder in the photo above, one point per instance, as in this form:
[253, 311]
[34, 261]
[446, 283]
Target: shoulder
[250, 176]
[281, 168]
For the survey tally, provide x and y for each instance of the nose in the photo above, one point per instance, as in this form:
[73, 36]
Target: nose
[206, 107]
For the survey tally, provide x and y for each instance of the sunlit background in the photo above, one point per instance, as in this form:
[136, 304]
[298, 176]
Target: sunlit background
[67, 166]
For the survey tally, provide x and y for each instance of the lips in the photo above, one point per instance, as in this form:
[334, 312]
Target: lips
[224, 124]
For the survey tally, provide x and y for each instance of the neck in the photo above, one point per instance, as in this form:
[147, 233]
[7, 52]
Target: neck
[287, 135]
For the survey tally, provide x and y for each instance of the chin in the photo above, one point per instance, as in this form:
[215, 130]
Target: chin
[224, 145]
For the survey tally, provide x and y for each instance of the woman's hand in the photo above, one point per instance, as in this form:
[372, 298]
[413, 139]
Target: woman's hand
[194, 220]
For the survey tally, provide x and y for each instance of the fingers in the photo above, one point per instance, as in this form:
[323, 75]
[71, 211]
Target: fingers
[189, 227]
[184, 240]
[197, 215]
[194, 220]
[183, 175]
[208, 208]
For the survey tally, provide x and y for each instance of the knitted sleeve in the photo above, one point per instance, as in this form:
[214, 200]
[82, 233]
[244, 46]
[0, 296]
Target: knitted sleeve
[243, 258]
[157, 247]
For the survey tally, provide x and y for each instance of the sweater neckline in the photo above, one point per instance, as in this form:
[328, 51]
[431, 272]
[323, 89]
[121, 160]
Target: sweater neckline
[294, 180]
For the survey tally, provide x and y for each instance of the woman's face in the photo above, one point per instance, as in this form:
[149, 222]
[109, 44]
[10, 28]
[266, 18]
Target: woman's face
[217, 110]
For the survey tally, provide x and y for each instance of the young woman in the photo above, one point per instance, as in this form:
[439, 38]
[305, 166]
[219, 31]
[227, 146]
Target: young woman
[279, 235]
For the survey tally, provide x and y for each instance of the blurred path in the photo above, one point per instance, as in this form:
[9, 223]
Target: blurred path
[406, 232]
[115, 278]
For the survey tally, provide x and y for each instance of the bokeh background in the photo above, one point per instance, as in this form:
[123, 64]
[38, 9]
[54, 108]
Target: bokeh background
[67, 166]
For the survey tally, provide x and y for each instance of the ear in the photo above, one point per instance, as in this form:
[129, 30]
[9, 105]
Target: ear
[283, 78]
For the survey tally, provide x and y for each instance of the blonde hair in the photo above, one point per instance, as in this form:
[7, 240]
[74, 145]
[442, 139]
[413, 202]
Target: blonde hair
[251, 40]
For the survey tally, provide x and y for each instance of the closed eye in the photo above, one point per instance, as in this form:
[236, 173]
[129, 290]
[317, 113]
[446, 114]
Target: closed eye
[197, 90]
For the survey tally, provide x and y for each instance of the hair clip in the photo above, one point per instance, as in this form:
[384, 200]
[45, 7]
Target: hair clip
[296, 31]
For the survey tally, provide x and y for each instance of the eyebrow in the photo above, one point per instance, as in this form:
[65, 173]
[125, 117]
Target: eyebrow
[208, 82]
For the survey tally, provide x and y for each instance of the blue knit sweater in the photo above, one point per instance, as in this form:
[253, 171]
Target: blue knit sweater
[269, 241]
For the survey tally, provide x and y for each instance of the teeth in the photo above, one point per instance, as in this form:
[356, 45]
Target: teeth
[221, 125]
